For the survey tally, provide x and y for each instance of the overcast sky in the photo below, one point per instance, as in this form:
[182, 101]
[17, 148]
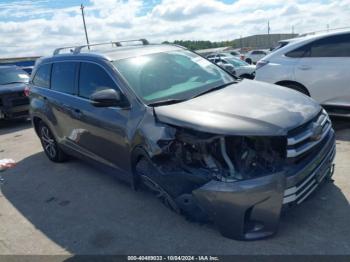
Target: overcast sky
[36, 27]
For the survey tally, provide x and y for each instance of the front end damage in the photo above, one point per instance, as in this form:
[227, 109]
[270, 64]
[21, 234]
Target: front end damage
[237, 182]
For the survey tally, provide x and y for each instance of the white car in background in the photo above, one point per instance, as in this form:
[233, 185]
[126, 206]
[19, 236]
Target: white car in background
[239, 67]
[253, 56]
[316, 65]
[224, 54]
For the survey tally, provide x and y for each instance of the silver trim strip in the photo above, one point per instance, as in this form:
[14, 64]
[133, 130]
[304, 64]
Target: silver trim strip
[291, 195]
[306, 147]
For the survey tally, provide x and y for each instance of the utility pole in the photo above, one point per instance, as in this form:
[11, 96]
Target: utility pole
[268, 32]
[293, 29]
[86, 35]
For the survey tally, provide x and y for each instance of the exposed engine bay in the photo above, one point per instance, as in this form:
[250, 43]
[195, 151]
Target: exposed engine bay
[227, 159]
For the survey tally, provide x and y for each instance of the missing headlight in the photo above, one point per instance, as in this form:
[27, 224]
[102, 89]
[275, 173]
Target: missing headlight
[256, 156]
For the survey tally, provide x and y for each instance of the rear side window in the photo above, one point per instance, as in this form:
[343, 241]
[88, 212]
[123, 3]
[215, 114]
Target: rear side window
[63, 77]
[333, 46]
[299, 52]
[42, 76]
[93, 78]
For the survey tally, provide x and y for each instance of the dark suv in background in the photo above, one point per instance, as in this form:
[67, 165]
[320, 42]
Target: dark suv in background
[14, 102]
[210, 146]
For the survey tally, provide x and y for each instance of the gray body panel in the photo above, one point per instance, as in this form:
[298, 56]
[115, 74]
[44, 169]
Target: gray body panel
[248, 108]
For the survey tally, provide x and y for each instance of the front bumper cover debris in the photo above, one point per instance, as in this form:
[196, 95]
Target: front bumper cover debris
[245, 210]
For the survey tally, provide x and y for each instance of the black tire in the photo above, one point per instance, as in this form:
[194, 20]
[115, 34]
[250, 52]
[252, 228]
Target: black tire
[296, 87]
[144, 172]
[50, 145]
[249, 61]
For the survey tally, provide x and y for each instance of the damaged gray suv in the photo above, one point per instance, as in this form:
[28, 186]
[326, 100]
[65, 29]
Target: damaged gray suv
[211, 147]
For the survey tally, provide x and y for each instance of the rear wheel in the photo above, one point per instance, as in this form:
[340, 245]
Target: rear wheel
[49, 143]
[145, 171]
[249, 61]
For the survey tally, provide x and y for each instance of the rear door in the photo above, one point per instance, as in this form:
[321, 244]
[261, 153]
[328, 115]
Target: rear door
[101, 131]
[63, 99]
[324, 69]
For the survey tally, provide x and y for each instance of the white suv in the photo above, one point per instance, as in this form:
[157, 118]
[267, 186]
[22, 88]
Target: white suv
[255, 55]
[316, 65]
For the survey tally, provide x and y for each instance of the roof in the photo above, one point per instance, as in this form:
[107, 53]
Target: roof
[316, 35]
[116, 53]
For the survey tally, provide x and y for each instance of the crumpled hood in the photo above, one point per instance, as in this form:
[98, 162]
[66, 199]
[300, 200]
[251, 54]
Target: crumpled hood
[248, 108]
[10, 88]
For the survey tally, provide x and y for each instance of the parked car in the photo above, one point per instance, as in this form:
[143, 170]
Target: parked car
[239, 67]
[234, 53]
[223, 54]
[28, 69]
[13, 100]
[252, 57]
[210, 146]
[315, 65]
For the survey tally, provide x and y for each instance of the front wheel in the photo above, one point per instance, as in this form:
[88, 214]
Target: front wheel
[50, 145]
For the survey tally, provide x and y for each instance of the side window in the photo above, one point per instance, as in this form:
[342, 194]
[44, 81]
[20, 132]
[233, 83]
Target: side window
[299, 52]
[63, 77]
[93, 78]
[333, 46]
[42, 76]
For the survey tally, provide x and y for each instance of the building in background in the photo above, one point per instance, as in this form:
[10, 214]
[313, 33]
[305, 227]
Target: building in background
[265, 41]
[26, 63]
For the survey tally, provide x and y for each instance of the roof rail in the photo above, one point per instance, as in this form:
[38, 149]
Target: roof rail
[325, 30]
[77, 49]
[57, 50]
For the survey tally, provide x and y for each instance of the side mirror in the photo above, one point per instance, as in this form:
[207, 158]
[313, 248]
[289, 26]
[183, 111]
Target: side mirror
[106, 98]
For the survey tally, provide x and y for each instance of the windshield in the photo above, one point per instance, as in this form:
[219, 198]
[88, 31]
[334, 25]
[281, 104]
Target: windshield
[11, 75]
[175, 75]
[236, 62]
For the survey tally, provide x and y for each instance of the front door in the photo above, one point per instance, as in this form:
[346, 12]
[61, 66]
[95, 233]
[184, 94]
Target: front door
[102, 131]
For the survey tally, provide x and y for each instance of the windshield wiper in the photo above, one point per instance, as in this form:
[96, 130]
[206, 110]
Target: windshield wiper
[166, 102]
[215, 88]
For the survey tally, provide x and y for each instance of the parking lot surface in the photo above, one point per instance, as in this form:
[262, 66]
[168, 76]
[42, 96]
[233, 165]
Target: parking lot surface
[73, 208]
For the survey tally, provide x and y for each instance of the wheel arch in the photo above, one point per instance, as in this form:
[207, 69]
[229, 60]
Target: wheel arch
[289, 83]
[136, 154]
[36, 123]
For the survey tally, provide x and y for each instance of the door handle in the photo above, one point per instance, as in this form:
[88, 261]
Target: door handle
[304, 67]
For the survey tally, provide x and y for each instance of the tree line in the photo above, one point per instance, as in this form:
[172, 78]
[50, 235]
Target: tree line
[197, 45]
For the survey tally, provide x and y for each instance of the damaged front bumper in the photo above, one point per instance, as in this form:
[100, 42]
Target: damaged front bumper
[250, 209]
[244, 210]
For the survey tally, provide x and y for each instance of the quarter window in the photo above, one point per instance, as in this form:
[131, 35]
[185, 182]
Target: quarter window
[93, 78]
[42, 76]
[63, 77]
